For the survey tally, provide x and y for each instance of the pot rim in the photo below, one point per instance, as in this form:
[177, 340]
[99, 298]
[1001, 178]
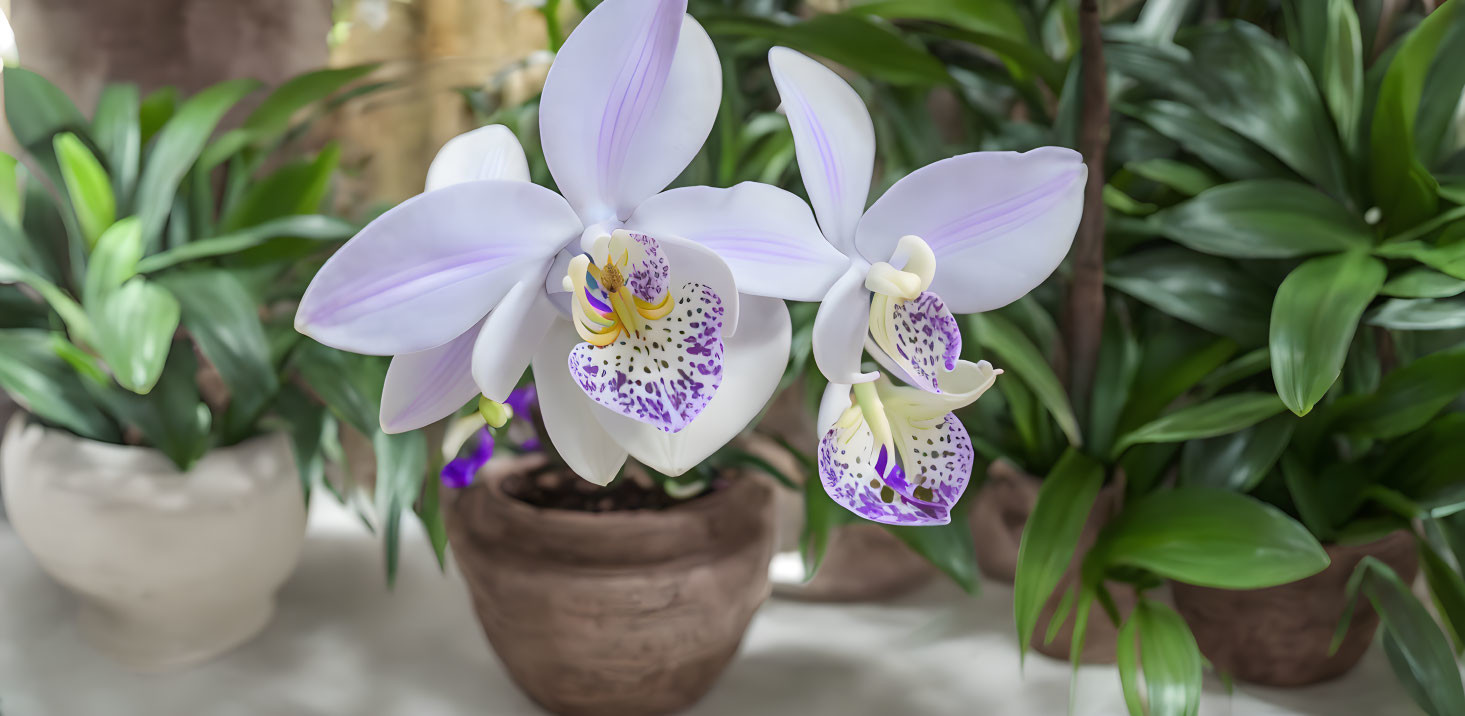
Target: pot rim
[739, 484]
[22, 423]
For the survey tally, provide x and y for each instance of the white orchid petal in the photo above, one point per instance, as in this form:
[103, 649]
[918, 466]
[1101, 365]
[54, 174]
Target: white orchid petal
[9, 55]
[834, 139]
[753, 365]
[627, 104]
[832, 404]
[569, 415]
[998, 222]
[919, 335]
[510, 336]
[960, 387]
[425, 387]
[427, 270]
[767, 236]
[694, 263]
[856, 471]
[491, 152]
[840, 328]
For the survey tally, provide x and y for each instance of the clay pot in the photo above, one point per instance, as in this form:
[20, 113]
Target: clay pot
[615, 613]
[170, 568]
[998, 515]
[1279, 636]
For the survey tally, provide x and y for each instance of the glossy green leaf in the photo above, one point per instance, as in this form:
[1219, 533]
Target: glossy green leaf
[71, 312]
[1211, 538]
[1423, 283]
[297, 188]
[1447, 259]
[948, 547]
[11, 201]
[1341, 78]
[1115, 375]
[1419, 652]
[171, 418]
[1407, 399]
[1314, 316]
[1160, 643]
[272, 117]
[1184, 178]
[174, 150]
[1237, 461]
[401, 466]
[88, 186]
[1234, 156]
[133, 328]
[1051, 537]
[119, 138]
[43, 384]
[310, 227]
[993, 24]
[859, 43]
[37, 110]
[1173, 363]
[1448, 589]
[1205, 291]
[1402, 184]
[113, 261]
[1422, 314]
[1013, 352]
[1263, 219]
[1218, 416]
[223, 319]
[155, 110]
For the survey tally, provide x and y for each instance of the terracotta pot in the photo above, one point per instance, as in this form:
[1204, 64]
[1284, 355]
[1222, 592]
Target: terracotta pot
[998, 515]
[170, 568]
[1279, 636]
[615, 613]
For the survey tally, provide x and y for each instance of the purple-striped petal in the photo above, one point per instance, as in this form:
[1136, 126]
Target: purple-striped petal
[628, 103]
[510, 335]
[491, 152]
[427, 270]
[920, 336]
[425, 387]
[999, 223]
[767, 236]
[847, 469]
[834, 139]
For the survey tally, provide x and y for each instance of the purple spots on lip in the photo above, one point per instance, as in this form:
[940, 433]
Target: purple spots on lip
[649, 275]
[664, 375]
[927, 339]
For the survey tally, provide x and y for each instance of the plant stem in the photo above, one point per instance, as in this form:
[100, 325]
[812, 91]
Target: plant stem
[1083, 324]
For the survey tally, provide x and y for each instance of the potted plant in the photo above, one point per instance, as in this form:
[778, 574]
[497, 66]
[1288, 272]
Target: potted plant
[1325, 206]
[152, 471]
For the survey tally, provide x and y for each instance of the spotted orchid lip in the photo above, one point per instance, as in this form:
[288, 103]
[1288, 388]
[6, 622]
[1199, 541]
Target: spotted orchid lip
[910, 324]
[899, 455]
[653, 347]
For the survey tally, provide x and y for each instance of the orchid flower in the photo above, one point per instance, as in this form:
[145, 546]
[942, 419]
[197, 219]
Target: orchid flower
[466, 284]
[458, 472]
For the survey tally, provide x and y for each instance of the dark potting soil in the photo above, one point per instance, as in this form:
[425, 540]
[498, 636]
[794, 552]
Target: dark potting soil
[554, 490]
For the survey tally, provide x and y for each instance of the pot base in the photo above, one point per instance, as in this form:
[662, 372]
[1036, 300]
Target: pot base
[172, 638]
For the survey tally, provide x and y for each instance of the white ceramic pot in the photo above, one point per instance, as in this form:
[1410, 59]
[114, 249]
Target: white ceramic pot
[171, 568]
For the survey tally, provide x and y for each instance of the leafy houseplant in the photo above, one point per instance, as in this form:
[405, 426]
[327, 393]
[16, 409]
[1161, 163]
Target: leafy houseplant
[1309, 193]
[144, 269]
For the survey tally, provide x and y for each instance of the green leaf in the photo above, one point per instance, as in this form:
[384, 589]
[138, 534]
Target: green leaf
[43, 384]
[1315, 314]
[822, 515]
[171, 417]
[401, 465]
[297, 188]
[308, 227]
[88, 186]
[1252, 83]
[1270, 219]
[949, 547]
[1205, 291]
[1423, 283]
[1402, 184]
[133, 329]
[65, 306]
[1407, 399]
[1218, 416]
[1418, 652]
[1115, 375]
[1423, 314]
[1051, 537]
[11, 201]
[350, 385]
[155, 110]
[993, 24]
[865, 46]
[1013, 352]
[1238, 461]
[1169, 657]
[119, 137]
[1210, 538]
[273, 115]
[1186, 179]
[37, 110]
[113, 261]
[1448, 259]
[1232, 155]
[1448, 589]
[174, 150]
[223, 319]
[1341, 78]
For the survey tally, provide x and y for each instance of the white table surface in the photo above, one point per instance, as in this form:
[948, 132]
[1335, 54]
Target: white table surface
[341, 644]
